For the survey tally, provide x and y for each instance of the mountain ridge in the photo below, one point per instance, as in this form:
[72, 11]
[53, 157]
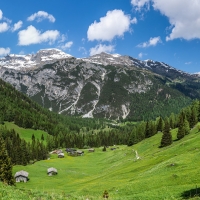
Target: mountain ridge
[104, 85]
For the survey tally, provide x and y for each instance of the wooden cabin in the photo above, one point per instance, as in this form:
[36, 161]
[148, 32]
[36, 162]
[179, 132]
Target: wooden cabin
[52, 171]
[21, 176]
[79, 153]
[91, 150]
[61, 155]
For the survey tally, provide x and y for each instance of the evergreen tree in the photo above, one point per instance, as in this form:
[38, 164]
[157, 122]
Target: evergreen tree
[166, 137]
[181, 131]
[5, 165]
[42, 137]
[160, 124]
[194, 117]
[147, 130]
[186, 127]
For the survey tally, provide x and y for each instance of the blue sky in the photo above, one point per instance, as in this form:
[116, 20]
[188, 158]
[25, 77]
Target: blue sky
[160, 30]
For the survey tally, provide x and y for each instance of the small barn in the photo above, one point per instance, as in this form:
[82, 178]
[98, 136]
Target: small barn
[61, 155]
[52, 171]
[79, 153]
[21, 176]
[91, 150]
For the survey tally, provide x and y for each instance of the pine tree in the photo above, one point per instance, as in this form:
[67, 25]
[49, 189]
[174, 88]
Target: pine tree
[5, 165]
[160, 124]
[181, 131]
[148, 130]
[186, 127]
[42, 137]
[166, 137]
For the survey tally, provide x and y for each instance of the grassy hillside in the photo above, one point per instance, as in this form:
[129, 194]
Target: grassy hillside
[160, 173]
[26, 134]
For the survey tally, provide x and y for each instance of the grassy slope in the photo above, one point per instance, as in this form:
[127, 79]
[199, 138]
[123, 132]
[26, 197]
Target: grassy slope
[152, 177]
[26, 133]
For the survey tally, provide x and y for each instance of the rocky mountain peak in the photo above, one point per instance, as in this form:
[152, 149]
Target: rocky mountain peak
[42, 57]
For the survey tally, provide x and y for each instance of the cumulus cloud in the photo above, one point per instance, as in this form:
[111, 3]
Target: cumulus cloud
[183, 15]
[138, 4]
[17, 26]
[152, 42]
[41, 15]
[1, 14]
[115, 23]
[4, 27]
[33, 36]
[66, 45]
[101, 48]
[186, 24]
[4, 51]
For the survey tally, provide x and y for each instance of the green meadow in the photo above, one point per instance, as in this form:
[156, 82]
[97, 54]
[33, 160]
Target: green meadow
[166, 173]
[26, 134]
[172, 172]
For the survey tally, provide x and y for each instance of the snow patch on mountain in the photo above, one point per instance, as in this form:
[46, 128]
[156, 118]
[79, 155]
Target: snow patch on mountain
[42, 57]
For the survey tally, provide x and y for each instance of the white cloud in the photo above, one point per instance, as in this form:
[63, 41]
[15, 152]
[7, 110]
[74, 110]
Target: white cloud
[188, 63]
[101, 48]
[1, 14]
[33, 36]
[17, 26]
[66, 45]
[134, 20]
[41, 15]
[4, 51]
[138, 4]
[140, 55]
[4, 27]
[152, 42]
[62, 38]
[184, 17]
[115, 23]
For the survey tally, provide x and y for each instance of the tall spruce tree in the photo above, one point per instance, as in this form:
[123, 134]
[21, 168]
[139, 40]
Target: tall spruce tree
[160, 124]
[5, 165]
[181, 131]
[166, 137]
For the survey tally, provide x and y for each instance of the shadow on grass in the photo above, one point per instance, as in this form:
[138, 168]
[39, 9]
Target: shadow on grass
[191, 193]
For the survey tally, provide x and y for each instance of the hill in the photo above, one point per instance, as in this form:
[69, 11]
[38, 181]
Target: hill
[160, 173]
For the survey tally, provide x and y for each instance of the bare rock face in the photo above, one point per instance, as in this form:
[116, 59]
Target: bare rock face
[103, 85]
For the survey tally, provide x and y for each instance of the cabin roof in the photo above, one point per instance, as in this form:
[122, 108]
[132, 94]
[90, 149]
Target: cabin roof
[52, 169]
[21, 173]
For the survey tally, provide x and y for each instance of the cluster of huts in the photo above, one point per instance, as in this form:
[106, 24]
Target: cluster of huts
[22, 176]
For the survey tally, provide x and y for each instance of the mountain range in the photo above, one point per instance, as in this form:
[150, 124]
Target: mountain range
[104, 85]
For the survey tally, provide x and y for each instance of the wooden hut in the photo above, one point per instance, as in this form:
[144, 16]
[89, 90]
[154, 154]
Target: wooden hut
[61, 155]
[79, 153]
[91, 150]
[21, 176]
[52, 171]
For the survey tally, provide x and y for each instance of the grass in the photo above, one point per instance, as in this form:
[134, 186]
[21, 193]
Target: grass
[26, 133]
[160, 173]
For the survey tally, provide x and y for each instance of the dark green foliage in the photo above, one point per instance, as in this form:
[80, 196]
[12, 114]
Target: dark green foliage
[104, 148]
[160, 124]
[21, 152]
[166, 137]
[130, 142]
[5, 165]
[105, 194]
